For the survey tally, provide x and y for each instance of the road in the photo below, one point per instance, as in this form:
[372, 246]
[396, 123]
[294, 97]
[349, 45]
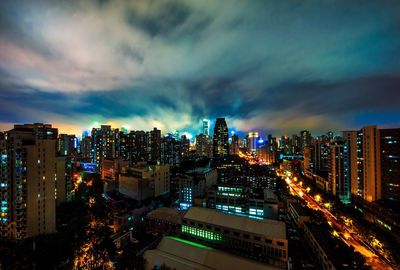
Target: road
[344, 232]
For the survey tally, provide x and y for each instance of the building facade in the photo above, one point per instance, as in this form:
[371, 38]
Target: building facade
[28, 184]
[220, 139]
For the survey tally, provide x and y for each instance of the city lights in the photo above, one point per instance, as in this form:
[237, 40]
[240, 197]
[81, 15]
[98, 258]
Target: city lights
[200, 134]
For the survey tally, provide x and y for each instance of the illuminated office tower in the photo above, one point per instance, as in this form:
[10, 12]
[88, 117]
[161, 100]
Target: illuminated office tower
[220, 139]
[252, 142]
[390, 164]
[29, 186]
[206, 127]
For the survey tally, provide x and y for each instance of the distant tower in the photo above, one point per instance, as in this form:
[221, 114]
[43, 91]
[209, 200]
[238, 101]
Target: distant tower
[206, 127]
[253, 138]
[221, 138]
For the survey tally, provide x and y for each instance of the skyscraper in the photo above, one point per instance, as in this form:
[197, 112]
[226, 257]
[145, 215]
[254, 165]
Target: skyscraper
[252, 146]
[28, 190]
[369, 163]
[305, 136]
[170, 151]
[351, 167]
[203, 146]
[104, 143]
[87, 149]
[390, 164]
[206, 127]
[339, 183]
[221, 138]
[235, 145]
[155, 145]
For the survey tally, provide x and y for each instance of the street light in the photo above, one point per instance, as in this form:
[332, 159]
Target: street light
[317, 198]
[308, 189]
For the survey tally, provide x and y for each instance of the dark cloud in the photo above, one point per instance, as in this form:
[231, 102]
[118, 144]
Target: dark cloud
[166, 18]
[281, 65]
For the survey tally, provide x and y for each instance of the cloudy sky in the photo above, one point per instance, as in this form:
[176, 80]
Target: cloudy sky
[277, 65]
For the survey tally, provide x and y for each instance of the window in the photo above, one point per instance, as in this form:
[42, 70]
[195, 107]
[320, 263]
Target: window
[280, 244]
[269, 241]
[257, 238]
[236, 234]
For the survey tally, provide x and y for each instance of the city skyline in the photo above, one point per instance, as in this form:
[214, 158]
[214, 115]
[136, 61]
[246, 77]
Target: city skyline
[281, 67]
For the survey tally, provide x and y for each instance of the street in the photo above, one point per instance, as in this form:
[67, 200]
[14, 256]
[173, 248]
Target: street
[344, 232]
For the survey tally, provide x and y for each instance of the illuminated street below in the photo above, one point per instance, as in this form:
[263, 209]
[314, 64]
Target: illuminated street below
[343, 232]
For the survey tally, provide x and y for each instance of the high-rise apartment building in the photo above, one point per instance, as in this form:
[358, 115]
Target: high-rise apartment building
[390, 164]
[170, 151]
[339, 184]
[369, 165]
[305, 136]
[363, 162]
[351, 167]
[28, 181]
[104, 143]
[87, 149]
[155, 145]
[203, 146]
[221, 138]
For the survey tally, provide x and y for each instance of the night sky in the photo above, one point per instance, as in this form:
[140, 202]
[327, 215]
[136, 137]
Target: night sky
[276, 66]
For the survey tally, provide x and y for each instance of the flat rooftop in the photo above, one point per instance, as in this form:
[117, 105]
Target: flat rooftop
[268, 228]
[182, 254]
[167, 214]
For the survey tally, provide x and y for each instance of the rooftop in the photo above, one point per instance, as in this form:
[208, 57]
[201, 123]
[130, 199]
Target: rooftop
[182, 254]
[167, 214]
[268, 228]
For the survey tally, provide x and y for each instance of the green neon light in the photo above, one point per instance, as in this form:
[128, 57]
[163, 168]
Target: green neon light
[190, 243]
[208, 235]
